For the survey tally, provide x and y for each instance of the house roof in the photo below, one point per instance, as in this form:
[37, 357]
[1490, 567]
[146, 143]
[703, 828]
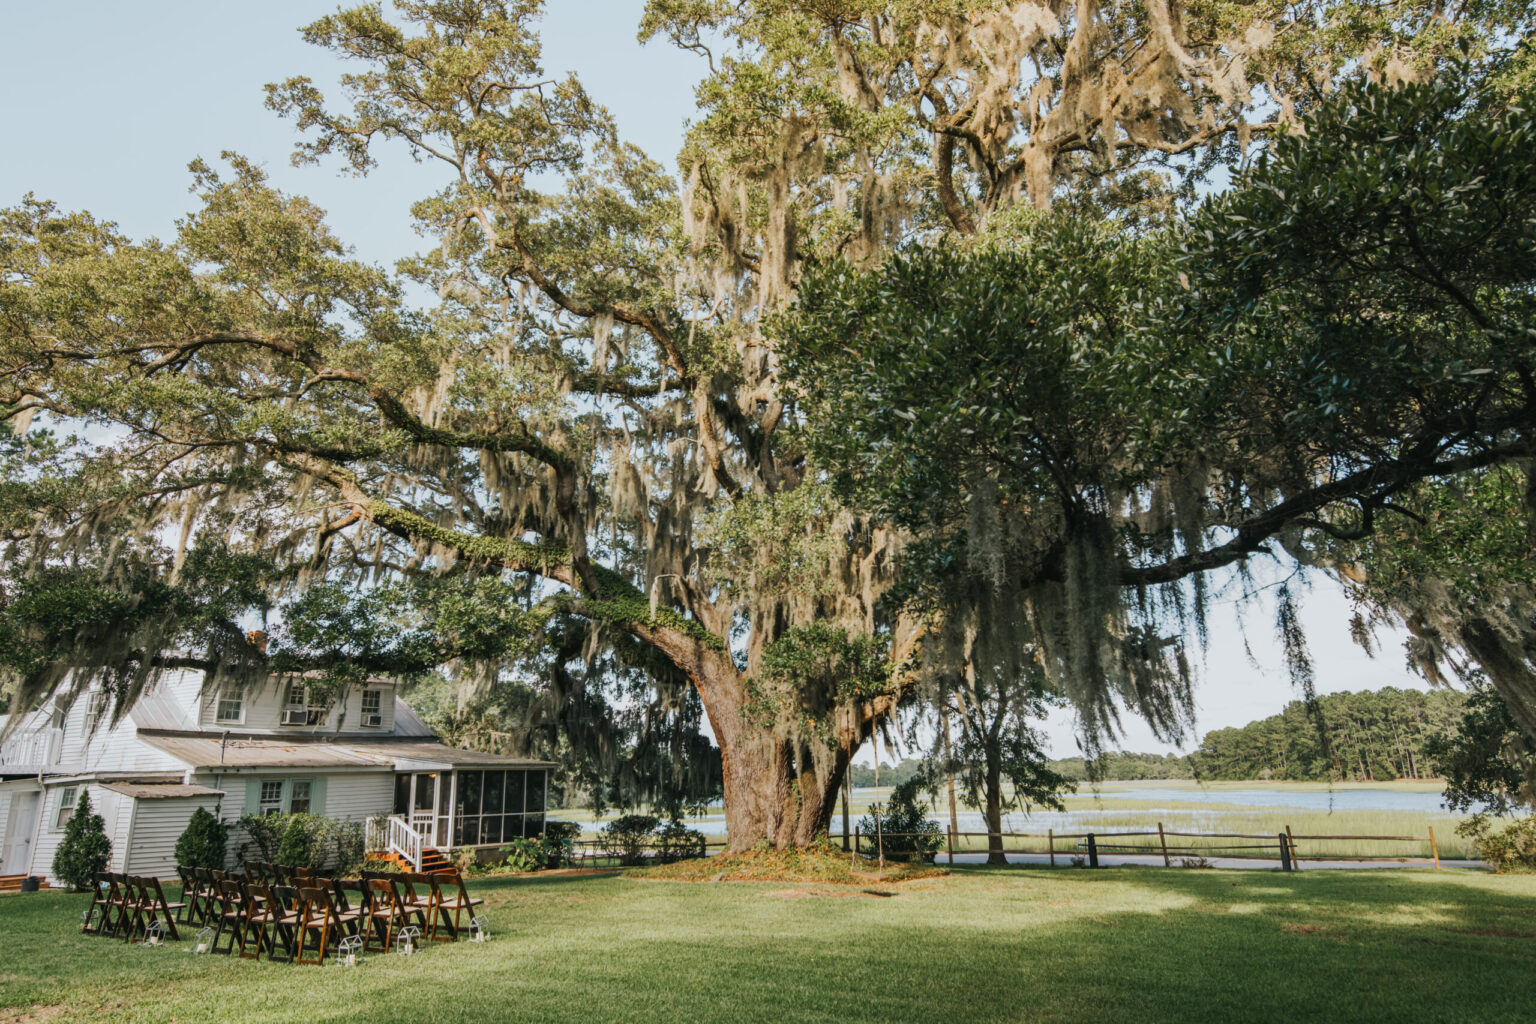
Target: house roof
[206, 752]
[159, 790]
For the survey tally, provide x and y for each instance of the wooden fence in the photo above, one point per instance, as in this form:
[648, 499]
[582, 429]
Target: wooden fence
[1185, 845]
[1288, 848]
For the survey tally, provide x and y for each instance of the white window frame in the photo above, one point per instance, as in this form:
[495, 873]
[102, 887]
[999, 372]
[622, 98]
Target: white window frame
[234, 698]
[95, 707]
[265, 806]
[293, 796]
[376, 711]
[69, 796]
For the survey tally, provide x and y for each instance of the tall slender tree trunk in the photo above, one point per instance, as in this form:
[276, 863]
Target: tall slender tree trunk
[995, 812]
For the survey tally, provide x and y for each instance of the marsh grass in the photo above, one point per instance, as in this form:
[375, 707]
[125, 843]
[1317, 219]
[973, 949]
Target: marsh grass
[1014, 945]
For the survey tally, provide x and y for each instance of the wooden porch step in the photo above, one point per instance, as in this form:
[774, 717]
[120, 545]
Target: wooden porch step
[12, 883]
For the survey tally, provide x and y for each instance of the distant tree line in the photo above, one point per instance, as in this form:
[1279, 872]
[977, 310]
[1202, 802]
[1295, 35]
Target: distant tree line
[1370, 735]
[1122, 766]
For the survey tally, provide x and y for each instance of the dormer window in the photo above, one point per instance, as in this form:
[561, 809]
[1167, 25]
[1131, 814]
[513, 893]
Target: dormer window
[230, 709]
[296, 709]
[94, 709]
[373, 715]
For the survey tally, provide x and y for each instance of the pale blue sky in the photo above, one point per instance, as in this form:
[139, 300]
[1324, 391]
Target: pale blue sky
[106, 102]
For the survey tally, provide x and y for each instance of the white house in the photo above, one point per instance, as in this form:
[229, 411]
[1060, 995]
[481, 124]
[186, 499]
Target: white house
[265, 749]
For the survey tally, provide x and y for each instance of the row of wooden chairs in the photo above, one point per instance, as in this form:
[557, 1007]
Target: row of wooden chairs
[129, 907]
[304, 921]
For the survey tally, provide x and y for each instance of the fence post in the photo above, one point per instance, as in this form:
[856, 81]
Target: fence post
[1050, 837]
[1285, 852]
[1433, 848]
[1163, 841]
[853, 858]
[1093, 852]
[1290, 841]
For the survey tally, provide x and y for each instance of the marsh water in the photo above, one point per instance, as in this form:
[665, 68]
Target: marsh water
[1118, 806]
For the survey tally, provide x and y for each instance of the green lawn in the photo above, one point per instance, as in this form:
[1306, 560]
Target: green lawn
[1011, 945]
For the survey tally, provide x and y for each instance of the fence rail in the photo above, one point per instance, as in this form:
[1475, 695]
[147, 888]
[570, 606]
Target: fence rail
[1283, 843]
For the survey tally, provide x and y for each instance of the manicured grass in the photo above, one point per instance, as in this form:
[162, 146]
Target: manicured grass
[1008, 945]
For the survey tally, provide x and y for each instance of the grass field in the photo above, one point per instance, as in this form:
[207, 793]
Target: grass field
[1004, 945]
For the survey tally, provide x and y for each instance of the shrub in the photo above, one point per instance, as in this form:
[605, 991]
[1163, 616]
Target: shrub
[85, 849]
[338, 846]
[626, 837]
[903, 824]
[524, 855]
[296, 850]
[676, 841]
[305, 841]
[1511, 848]
[204, 842]
[559, 840]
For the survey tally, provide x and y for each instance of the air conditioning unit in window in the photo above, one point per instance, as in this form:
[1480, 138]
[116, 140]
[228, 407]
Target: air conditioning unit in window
[373, 718]
[295, 716]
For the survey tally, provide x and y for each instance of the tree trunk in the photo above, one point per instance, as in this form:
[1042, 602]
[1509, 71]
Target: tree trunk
[995, 813]
[779, 787]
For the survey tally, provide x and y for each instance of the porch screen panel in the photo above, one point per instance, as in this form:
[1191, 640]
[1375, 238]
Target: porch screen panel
[515, 783]
[444, 804]
[490, 807]
[533, 820]
[466, 830]
[402, 794]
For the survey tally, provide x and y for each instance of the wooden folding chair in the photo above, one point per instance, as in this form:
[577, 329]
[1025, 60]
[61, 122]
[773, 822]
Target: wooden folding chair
[159, 909]
[115, 914]
[317, 922]
[203, 895]
[352, 903]
[417, 900]
[456, 904]
[255, 919]
[103, 890]
[228, 914]
[137, 906]
[189, 903]
[386, 915]
[284, 911]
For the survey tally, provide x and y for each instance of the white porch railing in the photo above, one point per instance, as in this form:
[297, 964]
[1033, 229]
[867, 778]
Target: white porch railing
[39, 749]
[397, 837]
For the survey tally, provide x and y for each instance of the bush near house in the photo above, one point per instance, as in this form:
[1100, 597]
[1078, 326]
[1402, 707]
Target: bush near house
[85, 849]
[904, 829]
[630, 837]
[304, 841]
[204, 843]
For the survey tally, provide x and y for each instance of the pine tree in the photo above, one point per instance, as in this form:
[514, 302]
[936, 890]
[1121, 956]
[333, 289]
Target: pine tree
[85, 850]
[204, 843]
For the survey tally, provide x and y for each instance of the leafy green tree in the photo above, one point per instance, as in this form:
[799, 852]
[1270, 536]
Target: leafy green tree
[203, 843]
[85, 850]
[579, 432]
[1487, 760]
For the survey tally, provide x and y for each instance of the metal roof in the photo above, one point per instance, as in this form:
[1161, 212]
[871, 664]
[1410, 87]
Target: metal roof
[409, 723]
[205, 752]
[159, 791]
[437, 753]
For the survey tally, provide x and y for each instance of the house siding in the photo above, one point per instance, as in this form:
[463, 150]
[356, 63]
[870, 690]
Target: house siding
[345, 796]
[156, 826]
[262, 707]
[116, 813]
